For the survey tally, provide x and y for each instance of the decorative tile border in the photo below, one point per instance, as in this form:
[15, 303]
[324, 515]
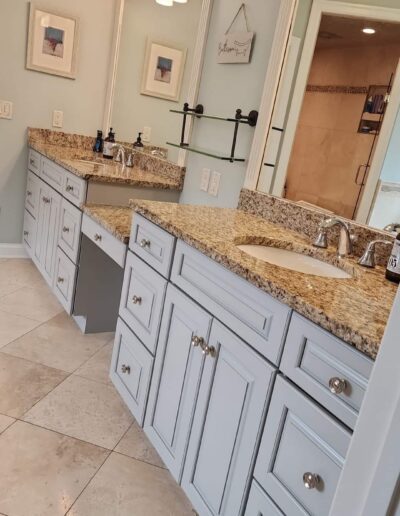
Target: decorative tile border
[353, 90]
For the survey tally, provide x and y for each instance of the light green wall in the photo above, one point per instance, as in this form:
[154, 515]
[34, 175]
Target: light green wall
[176, 26]
[36, 95]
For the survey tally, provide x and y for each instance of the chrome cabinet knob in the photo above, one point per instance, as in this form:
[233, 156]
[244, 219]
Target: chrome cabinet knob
[208, 350]
[337, 385]
[32, 161]
[97, 237]
[26, 233]
[125, 369]
[196, 341]
[60, 280]
[137, 300]
[46, 200]
[144, 243]
[69, 188]
[28, 193]
[311, 480]
[65, 229]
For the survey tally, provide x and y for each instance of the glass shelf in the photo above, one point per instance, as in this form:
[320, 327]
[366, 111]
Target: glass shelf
[210, 117]
[210, 154]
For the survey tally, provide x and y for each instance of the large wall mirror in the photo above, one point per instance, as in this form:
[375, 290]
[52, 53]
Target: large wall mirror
[156, 51]
[334, 137]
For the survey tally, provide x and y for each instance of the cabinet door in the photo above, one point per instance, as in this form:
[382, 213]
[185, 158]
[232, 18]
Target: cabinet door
[233, 397]
[176, 378]
[259, 503]
[42, 223]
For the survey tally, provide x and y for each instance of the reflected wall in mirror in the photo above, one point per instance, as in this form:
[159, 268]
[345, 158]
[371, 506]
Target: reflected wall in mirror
[132, 111]
[334, 139]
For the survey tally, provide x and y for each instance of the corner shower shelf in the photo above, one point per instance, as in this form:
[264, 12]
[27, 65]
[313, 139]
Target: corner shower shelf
[198, 112]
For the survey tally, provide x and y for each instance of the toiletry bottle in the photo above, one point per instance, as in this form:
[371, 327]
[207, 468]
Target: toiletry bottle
[138, 142]
[108, 145]
[98, 144]
[393, 267]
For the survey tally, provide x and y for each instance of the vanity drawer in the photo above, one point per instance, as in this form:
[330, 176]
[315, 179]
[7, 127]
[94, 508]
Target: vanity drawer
[32, 194]
[29, 232]
[34, 159]
[70, 230]
[260, 504]
[113, 247]
[142, 300]
[254, 315]
[154, 245]
[318, 362]
[52, 174]
[131, 369]
[74, 188]
[64, 280]
[302, 453]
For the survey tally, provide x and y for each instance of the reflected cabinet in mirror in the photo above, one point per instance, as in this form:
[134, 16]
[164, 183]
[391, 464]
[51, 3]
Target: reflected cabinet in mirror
[154, 71]
[334, 138]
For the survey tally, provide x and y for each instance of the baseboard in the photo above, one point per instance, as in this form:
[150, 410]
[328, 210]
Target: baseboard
[13, 251]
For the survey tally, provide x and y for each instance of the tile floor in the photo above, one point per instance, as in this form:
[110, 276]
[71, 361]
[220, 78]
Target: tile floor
[68, 445]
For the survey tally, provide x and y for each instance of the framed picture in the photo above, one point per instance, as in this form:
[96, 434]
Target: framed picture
[52, 42]
[163, 71]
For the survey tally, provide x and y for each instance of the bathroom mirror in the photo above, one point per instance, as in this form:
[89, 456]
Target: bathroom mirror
[334, 136]
[154, 60]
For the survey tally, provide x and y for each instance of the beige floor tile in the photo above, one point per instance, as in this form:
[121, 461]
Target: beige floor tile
[17, 273]
[42, 472]
[58, 343]
[37, 303]
[14, 326]
[136, 445]
[98, 367]
[87, 410]
[5, 422]
[23, 383]
[127, 487]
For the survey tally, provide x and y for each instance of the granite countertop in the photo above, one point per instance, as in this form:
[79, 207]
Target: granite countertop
[117, 220]
[103, 170]
[356, 310]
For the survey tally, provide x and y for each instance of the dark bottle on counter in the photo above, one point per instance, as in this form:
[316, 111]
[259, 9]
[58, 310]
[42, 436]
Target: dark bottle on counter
[393, 267]
[138, 142]
[98, 144]
[108, 145]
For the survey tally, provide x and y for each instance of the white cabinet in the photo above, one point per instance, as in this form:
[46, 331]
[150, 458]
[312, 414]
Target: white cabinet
[70, 230]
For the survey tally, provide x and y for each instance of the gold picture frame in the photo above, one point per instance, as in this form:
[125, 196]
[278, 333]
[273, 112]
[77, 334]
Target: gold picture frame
[52, 42]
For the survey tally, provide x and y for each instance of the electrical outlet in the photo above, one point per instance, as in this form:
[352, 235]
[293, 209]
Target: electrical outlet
[205, 179]
[6, 109]
[58, 118]
[146, 136]
[214, 183]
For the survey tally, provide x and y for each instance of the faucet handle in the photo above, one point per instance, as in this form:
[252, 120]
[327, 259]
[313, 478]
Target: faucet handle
[368, 259]
[129, 160]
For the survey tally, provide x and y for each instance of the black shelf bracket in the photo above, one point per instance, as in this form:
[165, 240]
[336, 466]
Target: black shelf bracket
[198, 110]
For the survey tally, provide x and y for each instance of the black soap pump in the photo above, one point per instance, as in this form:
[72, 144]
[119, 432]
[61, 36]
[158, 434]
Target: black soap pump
[393, 266]
[108, 145]
[98, 144]
[138, 142]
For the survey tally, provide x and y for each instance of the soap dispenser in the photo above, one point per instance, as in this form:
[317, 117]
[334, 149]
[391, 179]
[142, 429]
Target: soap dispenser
[108, 145]
[138, 142]
[98, 144]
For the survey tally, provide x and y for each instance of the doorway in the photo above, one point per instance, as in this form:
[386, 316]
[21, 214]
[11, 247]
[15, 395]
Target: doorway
[344, 106]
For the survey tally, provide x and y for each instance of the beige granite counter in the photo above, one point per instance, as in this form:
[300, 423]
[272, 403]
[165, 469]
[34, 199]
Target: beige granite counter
[355, 310]
[117, 220]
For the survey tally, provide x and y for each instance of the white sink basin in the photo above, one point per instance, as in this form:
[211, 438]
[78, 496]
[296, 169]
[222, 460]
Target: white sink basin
[294, 261]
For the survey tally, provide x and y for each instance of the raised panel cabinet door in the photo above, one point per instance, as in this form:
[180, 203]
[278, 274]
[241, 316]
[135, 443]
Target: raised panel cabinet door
[260, 504]
[50, 235]
[176, 378]
[234, 393]
[42, 224]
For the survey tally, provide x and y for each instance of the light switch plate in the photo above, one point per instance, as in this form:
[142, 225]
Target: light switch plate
[205, 179]
[146, 136]
[58, 118]
[6, 109]
[214, 184]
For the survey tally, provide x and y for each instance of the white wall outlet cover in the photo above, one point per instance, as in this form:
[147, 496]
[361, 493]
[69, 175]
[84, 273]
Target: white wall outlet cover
[205, 179]
[214, 184]
[6, 109]
[146, 136]
[58, 118]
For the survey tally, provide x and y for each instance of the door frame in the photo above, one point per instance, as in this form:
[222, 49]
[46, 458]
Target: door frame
[196, 71]
[319, 8]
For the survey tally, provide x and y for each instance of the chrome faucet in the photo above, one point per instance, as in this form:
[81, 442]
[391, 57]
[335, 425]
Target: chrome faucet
[394, 227]
[120, 156]
[346, 237]
[368, 259]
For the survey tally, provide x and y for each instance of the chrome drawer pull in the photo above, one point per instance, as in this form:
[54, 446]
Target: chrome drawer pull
[97, 237]
[65, 229]
[137, 300]
[337, 385]
[311, 480]
[46, 200]
[60, 280]
[145, 243]
[69, 188]
[125, 369]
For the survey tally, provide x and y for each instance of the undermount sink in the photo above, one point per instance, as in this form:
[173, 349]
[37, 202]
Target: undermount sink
[90, 162]
[294, 261]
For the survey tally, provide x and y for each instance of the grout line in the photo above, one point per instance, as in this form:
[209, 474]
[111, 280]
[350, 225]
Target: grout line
[163, 468]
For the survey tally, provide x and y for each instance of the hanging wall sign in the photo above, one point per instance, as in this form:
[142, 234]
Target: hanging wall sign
[236, 47]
